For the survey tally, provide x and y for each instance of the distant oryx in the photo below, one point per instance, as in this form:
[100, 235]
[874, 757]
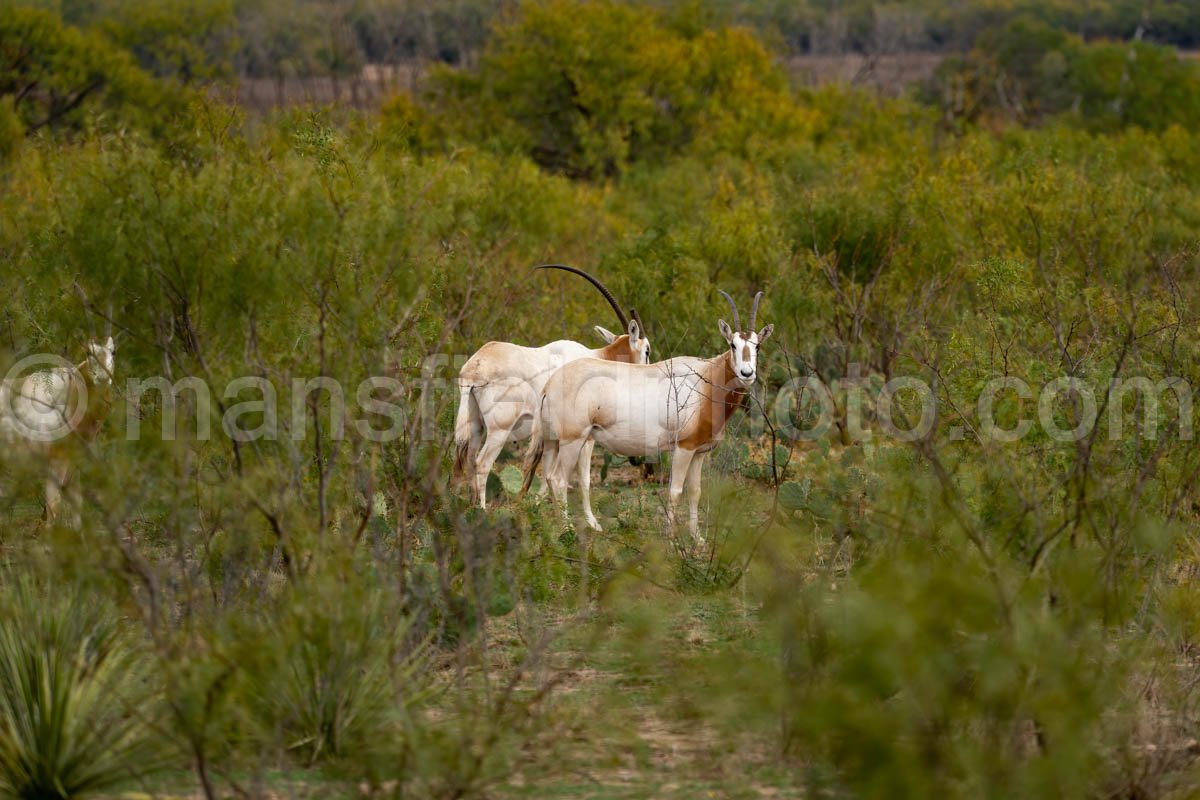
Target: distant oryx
[51, 412]
[500, 384]
[681, 405]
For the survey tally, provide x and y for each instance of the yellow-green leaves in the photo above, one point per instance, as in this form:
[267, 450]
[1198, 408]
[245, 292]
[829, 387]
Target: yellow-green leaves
[591, 88]
[55, 76]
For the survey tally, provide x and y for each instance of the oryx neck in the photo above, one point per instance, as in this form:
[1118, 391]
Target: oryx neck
[723, 374]
[725, 381]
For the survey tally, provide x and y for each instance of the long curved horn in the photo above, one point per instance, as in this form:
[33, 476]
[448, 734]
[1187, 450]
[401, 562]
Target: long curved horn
[638, 319]
[754, 310]
[737, 325]
[88, 316]
[612, 301]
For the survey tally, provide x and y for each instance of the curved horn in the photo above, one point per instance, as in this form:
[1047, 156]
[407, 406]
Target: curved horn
[754, 310]
[638, 319]
[737, 325]
[89, 311]
[612, 301]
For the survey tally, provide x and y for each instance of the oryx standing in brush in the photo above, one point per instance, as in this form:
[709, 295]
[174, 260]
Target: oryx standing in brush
[51, 413]
[681, 405]
[500, 384]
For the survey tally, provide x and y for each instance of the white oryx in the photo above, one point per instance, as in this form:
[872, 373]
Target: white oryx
[51, 412]
[681, 405]
[500, 384]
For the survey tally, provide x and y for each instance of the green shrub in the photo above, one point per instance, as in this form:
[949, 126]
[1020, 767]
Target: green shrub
[588, 88]
[918, 680]
[12, 132]
[1029, 72]
[57, 76]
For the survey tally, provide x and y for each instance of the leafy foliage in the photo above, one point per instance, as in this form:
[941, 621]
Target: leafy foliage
[51, 73]
[1029, 71]
[588, 89]
[944, 615]
[187, 41]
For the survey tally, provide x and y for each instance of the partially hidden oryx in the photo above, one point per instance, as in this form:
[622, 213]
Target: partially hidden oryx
[500, 384]
[52, 412]
[680, 405]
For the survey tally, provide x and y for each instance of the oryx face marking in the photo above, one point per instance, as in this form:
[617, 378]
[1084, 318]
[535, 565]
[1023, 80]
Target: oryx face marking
[743, 352]
[639, 345]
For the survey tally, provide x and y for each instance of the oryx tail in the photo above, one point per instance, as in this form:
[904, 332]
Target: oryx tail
[537, 446]
[469, 429]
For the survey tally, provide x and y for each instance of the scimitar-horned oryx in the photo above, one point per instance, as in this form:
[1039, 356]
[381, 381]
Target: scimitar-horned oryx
[53, 412]
[500, 384]
[681, 405]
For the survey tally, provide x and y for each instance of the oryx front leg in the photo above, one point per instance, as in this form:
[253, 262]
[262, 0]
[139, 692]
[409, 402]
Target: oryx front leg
[681, 462]
[585, 484]
[693, 493]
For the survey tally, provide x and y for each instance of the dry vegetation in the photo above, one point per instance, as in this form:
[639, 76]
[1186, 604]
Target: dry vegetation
[319, 614]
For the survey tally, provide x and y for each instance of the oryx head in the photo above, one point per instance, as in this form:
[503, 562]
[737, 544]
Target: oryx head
[639, 345]
[101, 361]
[744, 344]
[635, 339]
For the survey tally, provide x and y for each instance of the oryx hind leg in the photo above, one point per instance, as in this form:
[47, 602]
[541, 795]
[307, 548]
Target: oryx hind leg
[549, 463]
[471, 457]
[56, 484]
[496, 439]
[569, 454]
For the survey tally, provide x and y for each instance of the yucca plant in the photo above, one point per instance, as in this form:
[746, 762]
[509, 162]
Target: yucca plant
[75, 696]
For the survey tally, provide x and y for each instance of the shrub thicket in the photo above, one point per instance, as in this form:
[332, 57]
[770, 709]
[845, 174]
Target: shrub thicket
[948, 616]
[1030, 72]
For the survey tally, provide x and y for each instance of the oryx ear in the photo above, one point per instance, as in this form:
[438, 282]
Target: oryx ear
[606, 334]
[726, 331]
[765, 333]
[635, 332]
[110, 345]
